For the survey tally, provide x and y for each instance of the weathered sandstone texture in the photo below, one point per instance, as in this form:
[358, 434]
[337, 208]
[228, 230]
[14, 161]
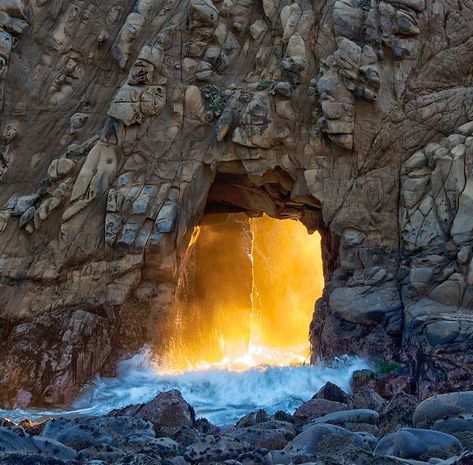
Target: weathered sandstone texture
[123, 122]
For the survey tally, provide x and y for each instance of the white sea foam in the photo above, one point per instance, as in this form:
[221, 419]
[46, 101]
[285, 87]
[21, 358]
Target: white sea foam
[220, 395]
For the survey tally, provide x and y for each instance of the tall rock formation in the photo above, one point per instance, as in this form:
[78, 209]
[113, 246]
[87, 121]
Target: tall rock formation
[123, 121]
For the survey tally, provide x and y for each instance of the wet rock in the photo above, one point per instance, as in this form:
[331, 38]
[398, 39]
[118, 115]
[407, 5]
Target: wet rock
[105, 452]
[362, 379]
[15, 439]
[202, 425]
[281, 457]
[349, 416]
[391, 385]
[138, 459]
[397, 413]
[270, 435]
[167, 409]
[5, 422]
[32, 428]
[84, 432]
[461, 428]
[368, 398]
[464, 459]
[176, 461]
[77, 339]
[252, 419]
[326, 440]
[215, 449]
[186, 435]
[157, 447]
[283, 416]
[419, 444]
[256, 457]
[316, 408]
[330, 391]
[441, 406]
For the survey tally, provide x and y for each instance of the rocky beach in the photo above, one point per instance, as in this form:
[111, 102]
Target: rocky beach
[332, 428]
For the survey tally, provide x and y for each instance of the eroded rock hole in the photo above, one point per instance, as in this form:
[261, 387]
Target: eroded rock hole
[246, 294]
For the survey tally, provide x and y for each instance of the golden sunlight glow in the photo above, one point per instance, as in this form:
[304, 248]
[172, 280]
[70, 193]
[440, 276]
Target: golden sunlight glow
[247, 295]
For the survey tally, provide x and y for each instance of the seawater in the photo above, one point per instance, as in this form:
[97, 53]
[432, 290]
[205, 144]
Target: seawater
[222, 395]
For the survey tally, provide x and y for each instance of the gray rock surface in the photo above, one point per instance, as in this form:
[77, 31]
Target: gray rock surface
[14, 439]
[349, 416]
[461, 428]
[216, 448]
[271, 435]
[411, 443]
[453, 404]
[316, 408]
[83, 432]
[325, 439]
[166, 409]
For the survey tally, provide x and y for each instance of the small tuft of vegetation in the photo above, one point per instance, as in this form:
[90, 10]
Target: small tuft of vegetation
[384, 368]
[216, 99]
[270, 86]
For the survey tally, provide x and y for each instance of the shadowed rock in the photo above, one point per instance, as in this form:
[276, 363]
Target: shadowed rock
[167, 409]
[410, 443]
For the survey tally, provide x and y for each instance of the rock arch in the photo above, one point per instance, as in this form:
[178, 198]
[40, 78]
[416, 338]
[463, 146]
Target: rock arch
[349, 115]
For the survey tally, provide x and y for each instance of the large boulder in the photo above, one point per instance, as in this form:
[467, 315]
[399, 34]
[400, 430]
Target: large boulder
[216, 449]
[410, 443]
[461, 428]
[16, 440]
[254, 457]
[367, 416]
[316, 408]
[368, 398]
[330, 391]
[167, 409]
[397, 413]
[84, 432]
[252, 419]
[441, 406]
[270, 435]
[326, 440]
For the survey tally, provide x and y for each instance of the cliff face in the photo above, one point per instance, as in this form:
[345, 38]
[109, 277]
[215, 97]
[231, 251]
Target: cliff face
[123, 121]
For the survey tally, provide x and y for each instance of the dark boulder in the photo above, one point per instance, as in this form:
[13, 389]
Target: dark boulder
[330, 391]
[167, 409]
[419, 444]
[441, 406]
[397, 413]
[326, 440]
[85, 432]
[316, 408]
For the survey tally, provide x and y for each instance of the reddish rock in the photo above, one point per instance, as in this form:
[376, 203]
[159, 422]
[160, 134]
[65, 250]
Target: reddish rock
[368, 398]
[397, 413]
[168, 409]
[316, 408]
[330, 391]
[252, 419]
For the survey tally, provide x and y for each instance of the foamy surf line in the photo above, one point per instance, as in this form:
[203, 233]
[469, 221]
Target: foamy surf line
[220, 395]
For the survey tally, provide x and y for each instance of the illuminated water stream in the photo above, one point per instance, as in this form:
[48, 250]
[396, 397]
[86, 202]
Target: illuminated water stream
[240, 343]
